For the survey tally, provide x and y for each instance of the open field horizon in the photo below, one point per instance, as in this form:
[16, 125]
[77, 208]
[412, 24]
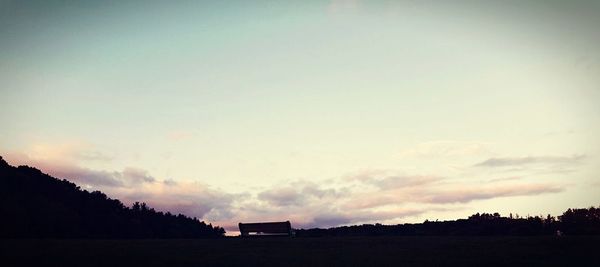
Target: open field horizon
[327, 251]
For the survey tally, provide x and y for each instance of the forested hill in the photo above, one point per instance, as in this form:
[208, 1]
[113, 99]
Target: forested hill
[36, 205]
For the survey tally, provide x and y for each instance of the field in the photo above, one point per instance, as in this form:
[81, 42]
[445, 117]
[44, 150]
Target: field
[342, 251]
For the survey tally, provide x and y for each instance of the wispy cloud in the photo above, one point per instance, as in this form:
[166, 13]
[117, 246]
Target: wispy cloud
[512, 178]
[481, 193]
[66, 151]
[83, 176]
[395, 181]
[378, 195]
[94, 155]
[344, 217]
[529, 160]
[68, 170]
[368, 196]
[98, 179]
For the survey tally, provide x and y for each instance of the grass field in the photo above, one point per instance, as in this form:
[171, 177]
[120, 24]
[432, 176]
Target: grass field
[342, 251]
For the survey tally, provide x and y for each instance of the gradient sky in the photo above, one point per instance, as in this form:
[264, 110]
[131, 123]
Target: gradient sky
[321, 112]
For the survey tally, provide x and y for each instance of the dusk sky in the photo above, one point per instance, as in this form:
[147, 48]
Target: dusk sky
[323, 113]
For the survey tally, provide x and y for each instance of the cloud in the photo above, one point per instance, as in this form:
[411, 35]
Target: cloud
[97, 179]
[83, 176]
[134, 176]
[393, 190]
[68, 151]
[310, 205]
[481, 193]
[512, 178]
[93, 155]
[282, 196]
[384, 181]
[68, 170]
[169, 182]
[520, 161]
[328, 220]
[332, 219]
[364, 197]
[189, 198]
[314, 190]
[376, 196]
[295, 194]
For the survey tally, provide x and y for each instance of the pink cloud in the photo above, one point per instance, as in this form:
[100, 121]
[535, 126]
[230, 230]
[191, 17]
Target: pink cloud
[367, 197]
[481, 193]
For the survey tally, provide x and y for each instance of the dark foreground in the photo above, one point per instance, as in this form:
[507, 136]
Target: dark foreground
[342, 251]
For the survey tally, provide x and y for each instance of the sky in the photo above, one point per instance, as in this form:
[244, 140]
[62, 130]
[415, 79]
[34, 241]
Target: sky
[323, 113]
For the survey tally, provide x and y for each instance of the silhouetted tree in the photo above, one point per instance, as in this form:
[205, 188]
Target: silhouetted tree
[573, 221]
[580, 221]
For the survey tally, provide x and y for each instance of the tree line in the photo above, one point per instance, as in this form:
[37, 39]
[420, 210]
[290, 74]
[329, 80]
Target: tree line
[584, 221]
[36, 205]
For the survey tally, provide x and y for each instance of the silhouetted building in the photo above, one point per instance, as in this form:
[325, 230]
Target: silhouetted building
[266, 229]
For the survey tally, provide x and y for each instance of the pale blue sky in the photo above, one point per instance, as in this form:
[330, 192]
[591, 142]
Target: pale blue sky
[243, 110]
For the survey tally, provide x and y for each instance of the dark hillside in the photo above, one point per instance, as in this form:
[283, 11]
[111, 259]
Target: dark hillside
[34, 205]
